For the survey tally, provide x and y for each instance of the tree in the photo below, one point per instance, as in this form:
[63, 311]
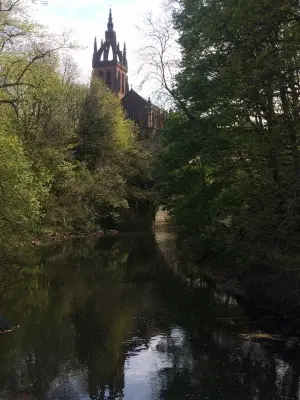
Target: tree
[21, 195]
[73, 143]
[159, 56]
[38, 120]
[22, 44]
[109, 147]
[46, 118]
[104, 131]
[231, 163]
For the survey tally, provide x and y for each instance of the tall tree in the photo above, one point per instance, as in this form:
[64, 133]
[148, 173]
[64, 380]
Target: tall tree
[121, 167]
[233, 148]
[22, 43]
[104, 131]
[21, 194]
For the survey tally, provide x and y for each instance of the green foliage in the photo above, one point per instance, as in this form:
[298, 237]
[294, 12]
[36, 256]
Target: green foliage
[121, 169]
[21, 194]
[104, 131]
[70, 159]
[230, 169]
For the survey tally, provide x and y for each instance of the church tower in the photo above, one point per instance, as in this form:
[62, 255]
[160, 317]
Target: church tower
[110, 63]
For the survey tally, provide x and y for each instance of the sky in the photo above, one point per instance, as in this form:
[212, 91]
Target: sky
[88, 18]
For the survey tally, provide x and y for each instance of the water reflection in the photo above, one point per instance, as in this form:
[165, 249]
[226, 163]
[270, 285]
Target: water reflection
[109, 319]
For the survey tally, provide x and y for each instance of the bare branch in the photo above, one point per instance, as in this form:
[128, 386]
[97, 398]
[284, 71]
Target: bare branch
[22, 44]
[159, 57]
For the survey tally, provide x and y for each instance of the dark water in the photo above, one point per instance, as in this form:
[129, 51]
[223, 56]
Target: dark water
[108, 319]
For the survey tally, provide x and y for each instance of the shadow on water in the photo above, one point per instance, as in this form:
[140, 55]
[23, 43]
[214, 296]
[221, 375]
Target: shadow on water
[113, 319]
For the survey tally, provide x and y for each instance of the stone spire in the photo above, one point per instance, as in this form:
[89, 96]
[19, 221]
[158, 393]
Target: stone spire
[113, 70]
[125, 63]
[124, 52]
[110, 25]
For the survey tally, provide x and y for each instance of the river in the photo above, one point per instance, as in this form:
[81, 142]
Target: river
[113, 318]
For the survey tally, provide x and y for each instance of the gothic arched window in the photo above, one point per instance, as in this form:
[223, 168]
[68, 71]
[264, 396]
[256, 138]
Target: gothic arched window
[121, 82]
[118, 81]
[108, 77]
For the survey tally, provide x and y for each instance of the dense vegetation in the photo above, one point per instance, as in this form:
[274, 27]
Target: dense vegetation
[69, 160]
[230, 170]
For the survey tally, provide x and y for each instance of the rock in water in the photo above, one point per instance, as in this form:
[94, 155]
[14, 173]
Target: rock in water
[5, 325]
[291, 343]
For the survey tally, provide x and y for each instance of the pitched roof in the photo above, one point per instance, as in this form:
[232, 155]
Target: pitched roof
[131, 91]
[143, 99]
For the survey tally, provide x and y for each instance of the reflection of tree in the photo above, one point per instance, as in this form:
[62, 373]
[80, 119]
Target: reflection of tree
[231, 377]
[88, 306]
[84, 290]
[112, 311]
[219, 366]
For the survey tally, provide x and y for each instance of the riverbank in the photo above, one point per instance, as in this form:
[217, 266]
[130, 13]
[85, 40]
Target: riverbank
[270, 297]
[48, 238]
[277, 290]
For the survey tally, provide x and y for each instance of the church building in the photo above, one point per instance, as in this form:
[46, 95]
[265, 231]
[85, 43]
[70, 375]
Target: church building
[110, 64]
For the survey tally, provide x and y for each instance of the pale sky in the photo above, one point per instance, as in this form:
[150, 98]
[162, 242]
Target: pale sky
[88, 18]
